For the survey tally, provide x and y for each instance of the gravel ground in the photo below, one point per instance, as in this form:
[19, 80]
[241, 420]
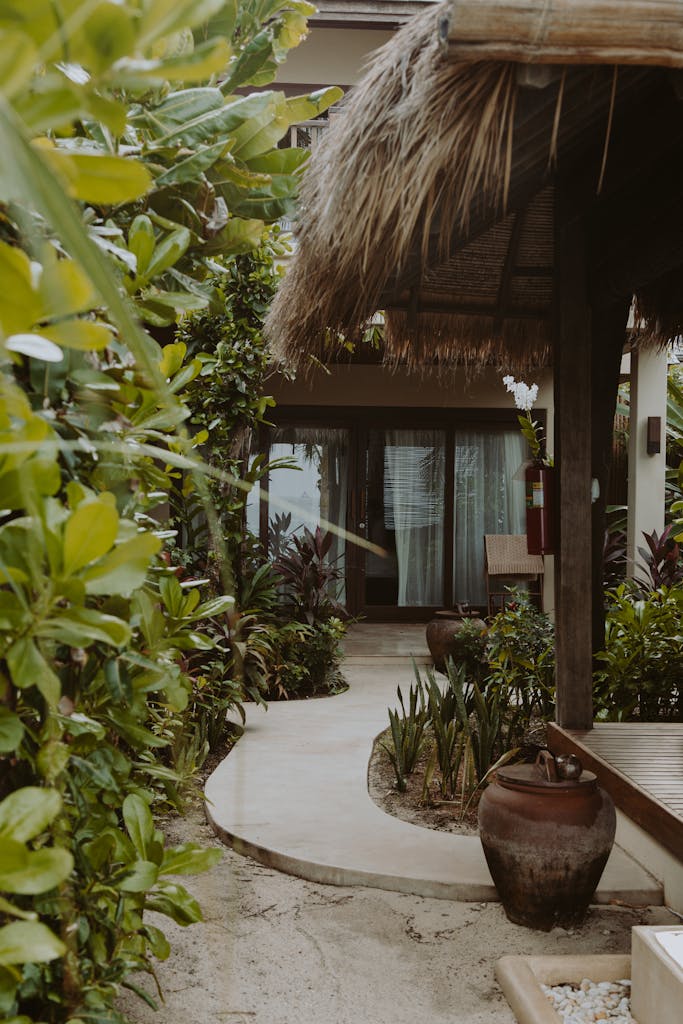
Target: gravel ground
[275, 949]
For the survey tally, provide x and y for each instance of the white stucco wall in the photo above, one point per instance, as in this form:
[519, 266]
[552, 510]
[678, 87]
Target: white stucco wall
[331, 56]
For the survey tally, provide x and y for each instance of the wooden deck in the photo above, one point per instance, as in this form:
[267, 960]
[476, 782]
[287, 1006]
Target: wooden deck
[640, 766]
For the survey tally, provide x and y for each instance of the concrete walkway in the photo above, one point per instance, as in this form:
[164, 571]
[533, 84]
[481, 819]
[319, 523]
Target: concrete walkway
[293, 795]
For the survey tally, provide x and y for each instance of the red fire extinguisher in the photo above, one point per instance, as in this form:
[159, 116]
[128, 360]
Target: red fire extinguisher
[540, 493]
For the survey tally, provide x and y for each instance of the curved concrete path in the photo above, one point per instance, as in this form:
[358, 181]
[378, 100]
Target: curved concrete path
[293, 794]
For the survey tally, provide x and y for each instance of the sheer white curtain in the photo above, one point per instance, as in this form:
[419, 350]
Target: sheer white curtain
[414, 468]
[488, 499]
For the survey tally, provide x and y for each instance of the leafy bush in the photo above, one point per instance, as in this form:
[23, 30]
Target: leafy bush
[520, 652]
[304, 659]
[308, 577]
[127, 176]
[643, 656]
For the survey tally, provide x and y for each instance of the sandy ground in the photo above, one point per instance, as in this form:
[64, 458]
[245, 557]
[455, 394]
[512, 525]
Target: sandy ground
[275, 949]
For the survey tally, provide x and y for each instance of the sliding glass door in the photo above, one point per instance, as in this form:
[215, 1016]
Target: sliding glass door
[404, 488]
[420, 487]
[489, 498]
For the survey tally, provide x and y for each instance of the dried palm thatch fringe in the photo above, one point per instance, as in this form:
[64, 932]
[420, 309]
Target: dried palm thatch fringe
[473, 342]
[440, 136]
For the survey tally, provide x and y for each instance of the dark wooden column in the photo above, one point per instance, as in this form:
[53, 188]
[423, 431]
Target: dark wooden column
[608, 334]
[572, 376]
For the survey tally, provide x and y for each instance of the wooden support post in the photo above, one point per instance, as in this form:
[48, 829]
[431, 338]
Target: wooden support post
[573, 628]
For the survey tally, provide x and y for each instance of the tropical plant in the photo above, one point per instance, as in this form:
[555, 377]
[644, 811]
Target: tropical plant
[662, 560]
[520, 652]
[308, 576]
[407, 732]
[132, 168]
[642, 661]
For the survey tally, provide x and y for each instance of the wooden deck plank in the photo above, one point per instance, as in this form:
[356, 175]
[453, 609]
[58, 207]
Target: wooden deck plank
[640, 766]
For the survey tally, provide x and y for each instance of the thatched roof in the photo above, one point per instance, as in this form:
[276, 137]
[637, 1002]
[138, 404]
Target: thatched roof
[432, 195]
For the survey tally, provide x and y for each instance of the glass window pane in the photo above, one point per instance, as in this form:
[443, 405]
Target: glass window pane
[489, 498]
[405, 512]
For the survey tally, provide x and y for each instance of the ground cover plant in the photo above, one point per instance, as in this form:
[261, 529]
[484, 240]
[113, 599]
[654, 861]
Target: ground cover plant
[132, 173]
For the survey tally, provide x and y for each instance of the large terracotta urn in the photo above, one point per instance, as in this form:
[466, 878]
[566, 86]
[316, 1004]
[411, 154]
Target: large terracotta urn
[547, 830]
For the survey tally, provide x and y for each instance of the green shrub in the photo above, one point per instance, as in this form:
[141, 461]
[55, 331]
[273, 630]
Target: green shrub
[305, 659]
[642, 662]
[520, 652]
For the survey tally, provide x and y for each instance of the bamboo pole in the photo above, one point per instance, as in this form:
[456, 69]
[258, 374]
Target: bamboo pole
[642, 32]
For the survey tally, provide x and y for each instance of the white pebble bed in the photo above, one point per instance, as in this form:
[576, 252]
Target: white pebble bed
[592, 1001]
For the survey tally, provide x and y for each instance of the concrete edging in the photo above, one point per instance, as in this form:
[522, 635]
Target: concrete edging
[521, 977]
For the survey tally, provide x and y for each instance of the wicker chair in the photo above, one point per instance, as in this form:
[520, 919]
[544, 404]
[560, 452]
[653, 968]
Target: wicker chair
[507, 562]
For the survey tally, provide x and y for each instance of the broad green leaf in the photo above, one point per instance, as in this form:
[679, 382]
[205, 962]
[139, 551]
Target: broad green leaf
[79, 627]
[18, 60]
[28, 811]
[279, 161]
[45, 111]
[175, 902]
[139, 822]
[189, 860]
[11, 733]
[135, 734]
[184, 302]
[168, 251]
[180, 107]
[140, 878]
[89, 534]
[118, 681]
[20, 307]
[28, 668]
[26, 942]
[31, 872]
[236, 237]
[95, 178]
[219, 123]
[254, 57]
[82, 335]
[110, 33]
[109, 112]
[40, 475]
[8, 908]
[158, 943]
[64, 288]
[305, 108]
[37, 346]
[192, 167]
[216, 606]
[261, 132]
[141, 242]
[124, 569]
[172, 358]
[293, 31]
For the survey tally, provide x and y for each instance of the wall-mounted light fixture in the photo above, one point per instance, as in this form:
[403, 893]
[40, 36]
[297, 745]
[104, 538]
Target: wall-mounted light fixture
[654, 435]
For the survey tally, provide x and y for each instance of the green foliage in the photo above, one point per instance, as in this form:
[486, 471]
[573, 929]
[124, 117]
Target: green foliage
[470, 731]
[308, 577]
[407, 732]
[303, 659]
[642, 662]
[226, 401]
[131, 173]
[520, 653]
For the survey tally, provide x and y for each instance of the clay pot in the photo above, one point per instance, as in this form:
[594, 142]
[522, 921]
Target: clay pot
[546, 841]
[443, 632]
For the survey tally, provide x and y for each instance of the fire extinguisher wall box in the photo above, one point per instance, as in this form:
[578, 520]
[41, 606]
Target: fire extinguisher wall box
[540, 517]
